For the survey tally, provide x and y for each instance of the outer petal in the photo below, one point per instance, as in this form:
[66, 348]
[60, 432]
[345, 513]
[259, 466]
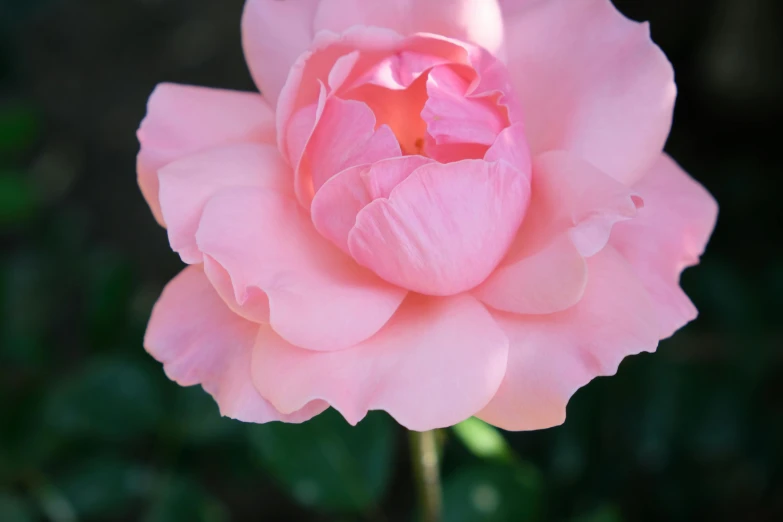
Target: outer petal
[187, 184]
[182, 120]
[318, 298]
[551, 280]
[445, 228]
[477, 21]
[274, 34]
[590, 81]
[436, 363]
[669, 234]
[572, 211]
[200, 341]
[552, 356]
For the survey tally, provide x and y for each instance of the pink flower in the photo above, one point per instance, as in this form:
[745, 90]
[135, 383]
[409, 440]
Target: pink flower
[439, 209]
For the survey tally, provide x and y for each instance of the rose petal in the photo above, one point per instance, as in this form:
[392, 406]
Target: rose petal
[552, 356]
[511, 146]
[340, 199]
[200, 341]
[668, 235]
[252, 304]
[436, 363]
[454, 118]
[306, 84]
[477, 21]
[551, 280]
[591, 82]
[345, 136]
[572, 210]
[186, 185]
[318, 298]
[445, 228]
[274, 34]
[182, 120]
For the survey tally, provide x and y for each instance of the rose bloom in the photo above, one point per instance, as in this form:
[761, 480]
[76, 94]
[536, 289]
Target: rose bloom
[438, 208]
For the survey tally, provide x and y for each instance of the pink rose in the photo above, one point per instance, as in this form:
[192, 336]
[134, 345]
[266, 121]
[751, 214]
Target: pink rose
[439, 209]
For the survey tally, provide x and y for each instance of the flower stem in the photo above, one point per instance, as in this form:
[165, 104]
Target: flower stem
[426, 472]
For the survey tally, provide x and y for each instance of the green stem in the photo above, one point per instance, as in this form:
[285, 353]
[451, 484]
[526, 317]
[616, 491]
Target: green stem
[424, 458]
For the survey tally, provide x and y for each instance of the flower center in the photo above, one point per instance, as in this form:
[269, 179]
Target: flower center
[433, 113]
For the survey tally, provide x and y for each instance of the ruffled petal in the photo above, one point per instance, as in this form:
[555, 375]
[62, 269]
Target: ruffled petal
[436, 363]
[445, 228]
[452, 117]
[552, 356]
[331, 61]
[668, 235]
[590, 81]
[318, 298]
[200, 341]
[183, 120]
[572, 211]
[188, 183]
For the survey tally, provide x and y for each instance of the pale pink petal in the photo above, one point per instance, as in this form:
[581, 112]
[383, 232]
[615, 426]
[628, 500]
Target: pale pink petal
[274, 34]
[570, 194]
[182, 120]
[345, 136]
[309, 77]
[668, 235]
[552, 356]
[477, 21]
[452, 117]
[300, 128]
[443, 229]
[591, 82]
[551, 280]
[340, 199]
[511, 146]
[318, 298]
[573, 208]
[200, 341]
[436, 363]
[252, 304]
[399, 70]
[453, 152]
[186, 185]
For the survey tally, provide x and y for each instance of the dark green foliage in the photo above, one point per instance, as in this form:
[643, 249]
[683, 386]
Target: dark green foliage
[327, 464]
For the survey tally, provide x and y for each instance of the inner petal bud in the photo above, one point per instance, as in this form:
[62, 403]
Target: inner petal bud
[439, 218]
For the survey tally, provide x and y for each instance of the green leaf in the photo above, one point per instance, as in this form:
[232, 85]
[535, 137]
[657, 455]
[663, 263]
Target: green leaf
[108, 291]
[605, 513]
[17, 201]
[492, 493]
[180, 500]
[483, 440]
[102, 486]
[198, 419]
[19, 127]
[14, 509]
[109, 399]
[327, 464]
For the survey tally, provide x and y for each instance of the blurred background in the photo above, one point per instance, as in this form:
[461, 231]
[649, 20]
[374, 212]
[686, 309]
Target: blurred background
[91, 429]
